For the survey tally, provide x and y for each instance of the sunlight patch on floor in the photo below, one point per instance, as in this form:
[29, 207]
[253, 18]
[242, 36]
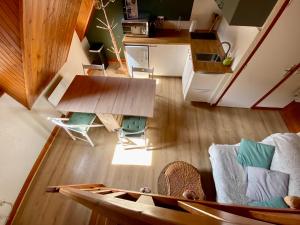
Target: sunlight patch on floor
[138, 156]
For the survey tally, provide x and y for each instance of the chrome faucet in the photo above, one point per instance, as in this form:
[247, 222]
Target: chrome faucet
[229, 47]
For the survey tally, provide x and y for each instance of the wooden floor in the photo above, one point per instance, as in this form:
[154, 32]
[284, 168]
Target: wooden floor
[291, 116]
[179, 131]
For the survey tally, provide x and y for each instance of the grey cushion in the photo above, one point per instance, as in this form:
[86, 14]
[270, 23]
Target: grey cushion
[229, 176]
[286, 159]
[231, 179]
[265, 185]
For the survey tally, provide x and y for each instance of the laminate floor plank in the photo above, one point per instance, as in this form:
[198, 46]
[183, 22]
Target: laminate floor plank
[179, 130]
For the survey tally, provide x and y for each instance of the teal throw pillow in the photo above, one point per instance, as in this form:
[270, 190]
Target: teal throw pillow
[255, 154]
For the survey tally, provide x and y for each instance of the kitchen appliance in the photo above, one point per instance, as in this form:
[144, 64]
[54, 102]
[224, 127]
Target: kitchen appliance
[137, 56]
[136, 28]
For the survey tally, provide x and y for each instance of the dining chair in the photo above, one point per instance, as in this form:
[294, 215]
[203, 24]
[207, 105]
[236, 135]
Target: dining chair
[149, 71]
[78, 123]
[90, 67]
[133, 127]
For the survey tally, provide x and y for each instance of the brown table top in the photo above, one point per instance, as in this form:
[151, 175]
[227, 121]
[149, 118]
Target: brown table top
[114, 95]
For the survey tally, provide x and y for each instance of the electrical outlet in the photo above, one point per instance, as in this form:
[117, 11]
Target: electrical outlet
[2, 203]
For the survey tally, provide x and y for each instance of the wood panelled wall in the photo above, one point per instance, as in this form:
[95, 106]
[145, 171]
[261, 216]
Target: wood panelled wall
[11, 69]
[35, 41]
[85, 12]
[48, 28]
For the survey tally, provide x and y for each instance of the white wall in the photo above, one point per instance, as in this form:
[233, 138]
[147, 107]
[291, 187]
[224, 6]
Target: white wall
[284, 94]
[278, 52]
[240, 38]
[23, 133]
[202, 12]
[77, 57]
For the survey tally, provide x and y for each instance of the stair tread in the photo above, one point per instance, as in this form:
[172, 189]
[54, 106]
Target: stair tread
[101, 192]
[116, 194]
[146, 200]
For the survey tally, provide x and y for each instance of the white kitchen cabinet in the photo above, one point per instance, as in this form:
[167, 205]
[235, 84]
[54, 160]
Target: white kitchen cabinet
[187, 71]
[168, 60]
[137, 56]
[200, 87]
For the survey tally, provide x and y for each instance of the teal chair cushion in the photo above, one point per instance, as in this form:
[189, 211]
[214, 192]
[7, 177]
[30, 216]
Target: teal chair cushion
[81, 119]
[133, 123]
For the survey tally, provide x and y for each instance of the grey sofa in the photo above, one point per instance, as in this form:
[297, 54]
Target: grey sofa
[231, 178]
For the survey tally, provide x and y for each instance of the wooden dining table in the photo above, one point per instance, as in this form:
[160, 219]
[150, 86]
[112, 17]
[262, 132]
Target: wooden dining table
[109, 98]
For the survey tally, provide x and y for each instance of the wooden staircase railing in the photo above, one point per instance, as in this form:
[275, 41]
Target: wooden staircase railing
[122, 207]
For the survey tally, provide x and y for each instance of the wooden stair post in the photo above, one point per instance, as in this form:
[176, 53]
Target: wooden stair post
[121, 207]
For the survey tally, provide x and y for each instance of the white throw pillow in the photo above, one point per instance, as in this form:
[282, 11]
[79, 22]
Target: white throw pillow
[286, 159]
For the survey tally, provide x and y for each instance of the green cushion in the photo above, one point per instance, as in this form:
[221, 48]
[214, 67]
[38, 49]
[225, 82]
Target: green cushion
[134, 123]
[255, 154]
[274, 203]
[81, 119]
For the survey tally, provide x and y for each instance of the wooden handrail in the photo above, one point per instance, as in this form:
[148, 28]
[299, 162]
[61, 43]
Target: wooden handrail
[129, 212]
[78, 186]
[277, 218]
[199, 209]
[173, 202]
[129, 207]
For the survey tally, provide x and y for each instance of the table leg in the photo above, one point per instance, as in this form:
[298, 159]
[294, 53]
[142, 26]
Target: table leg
[110, 121]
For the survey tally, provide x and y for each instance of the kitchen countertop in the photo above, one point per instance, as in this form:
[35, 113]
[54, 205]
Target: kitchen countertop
[197, 46]
[161, 37]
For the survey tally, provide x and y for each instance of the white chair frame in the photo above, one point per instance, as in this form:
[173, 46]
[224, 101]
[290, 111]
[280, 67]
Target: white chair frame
[69, 128]
[150, 71]
[93, 67]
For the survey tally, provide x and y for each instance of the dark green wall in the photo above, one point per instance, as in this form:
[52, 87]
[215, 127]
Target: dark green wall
[94, 34]
[170, 9]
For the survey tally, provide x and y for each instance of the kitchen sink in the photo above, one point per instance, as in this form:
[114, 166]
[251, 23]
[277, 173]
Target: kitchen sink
[203, 36]
[208, 57]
